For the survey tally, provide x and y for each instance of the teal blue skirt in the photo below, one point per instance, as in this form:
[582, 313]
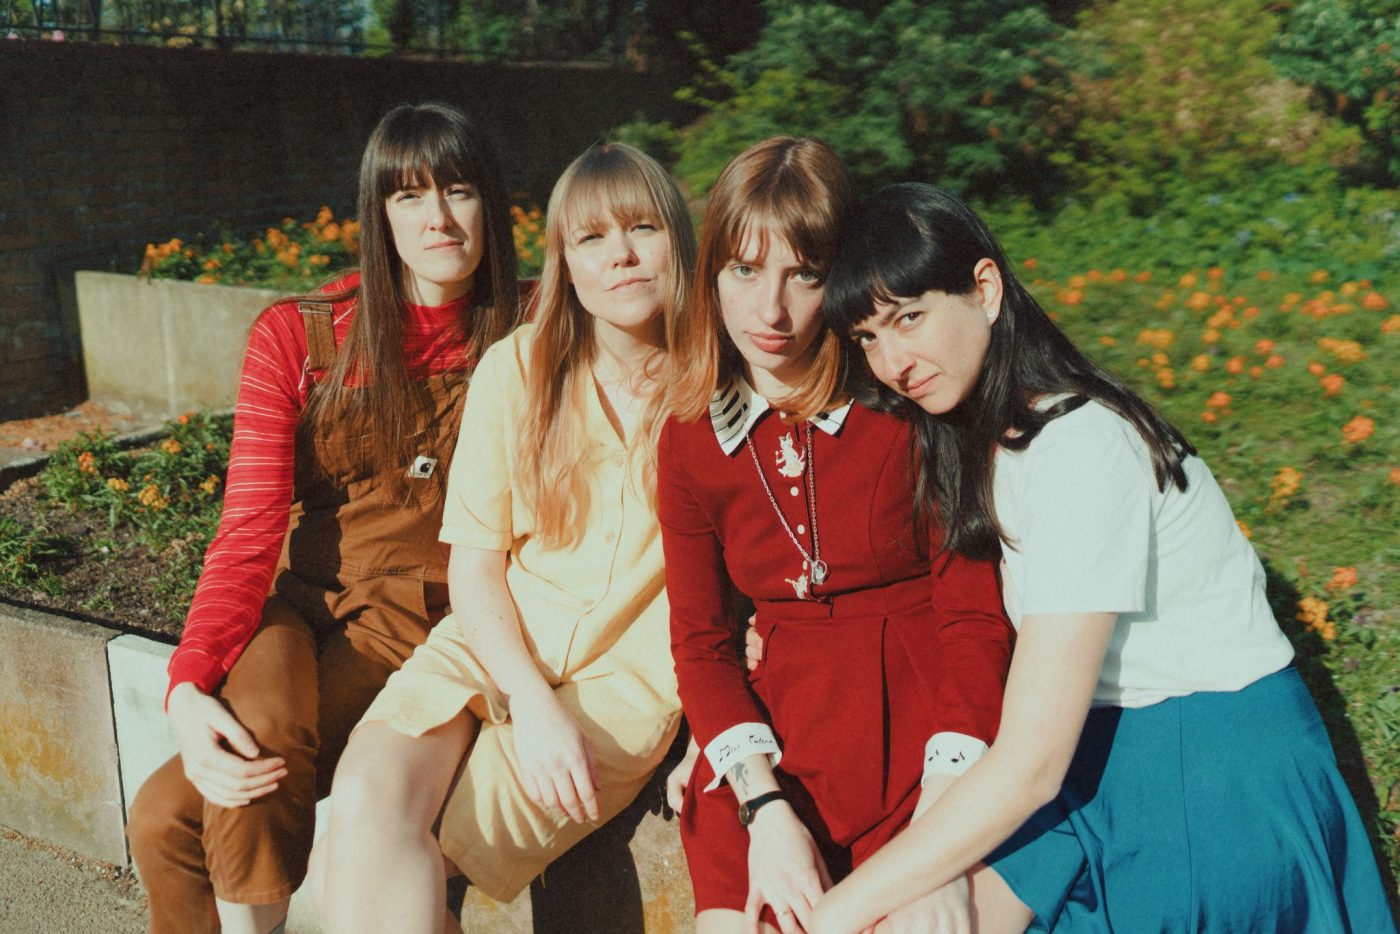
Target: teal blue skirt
[1213, 812]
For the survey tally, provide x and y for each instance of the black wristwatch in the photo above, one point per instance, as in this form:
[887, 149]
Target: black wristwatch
[749, 808]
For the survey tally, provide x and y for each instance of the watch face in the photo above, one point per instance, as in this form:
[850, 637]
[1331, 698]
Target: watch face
[745, 814]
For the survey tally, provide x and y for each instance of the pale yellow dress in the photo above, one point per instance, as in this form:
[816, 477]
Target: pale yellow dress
[594, 617]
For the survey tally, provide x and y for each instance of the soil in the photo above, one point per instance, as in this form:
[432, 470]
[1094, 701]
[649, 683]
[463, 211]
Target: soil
[110, 585]
[45, 434]
[114, 586]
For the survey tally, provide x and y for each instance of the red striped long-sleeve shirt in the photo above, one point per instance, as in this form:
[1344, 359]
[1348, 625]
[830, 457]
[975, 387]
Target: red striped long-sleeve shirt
[272, 392]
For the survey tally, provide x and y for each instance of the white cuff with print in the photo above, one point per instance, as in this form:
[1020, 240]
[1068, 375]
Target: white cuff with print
[951, 753]
[736, 744]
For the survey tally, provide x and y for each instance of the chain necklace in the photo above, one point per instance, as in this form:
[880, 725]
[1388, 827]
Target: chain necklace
[812, 562]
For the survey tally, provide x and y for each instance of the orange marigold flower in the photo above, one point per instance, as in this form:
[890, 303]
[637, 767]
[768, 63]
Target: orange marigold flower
[1349, 289]
[1374, 301]
[1390, 325]
[207, 279]
[150, 497]
[1218, 400]
[1251, 312]
[1332, 384]
[1143, 276]
[1095, 275]
[1274, 362]
[1107, 340]
[1235, 366]
[1188, 280]
[1209, 417]
[1256, 371]
[1071, 297]
[1160, 359]
[1166, 378]
[170, 446]
[86, 462]
[1077, 282]
[1289, 300]
[1263, 346]
[1346, 351]
[1395, 475]
[1319, 276]
[1244, 529]
[1316, 369]
[1358, 429]
[330, 233]
[1342, 579]
[117, 485]
[1200, 363]
[1118, 275]
[1161, 338]
[1264, 275]
[1215, 274]
[1285, 484]
[1210, 336]
[1199, 301]
[1030, 263]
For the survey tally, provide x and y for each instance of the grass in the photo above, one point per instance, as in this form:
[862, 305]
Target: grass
[1285, 383]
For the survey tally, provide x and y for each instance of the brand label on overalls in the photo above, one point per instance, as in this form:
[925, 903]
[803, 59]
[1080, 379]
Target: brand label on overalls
[423, 467]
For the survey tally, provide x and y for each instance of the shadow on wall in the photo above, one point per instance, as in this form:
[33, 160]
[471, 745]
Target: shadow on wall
[119, 146]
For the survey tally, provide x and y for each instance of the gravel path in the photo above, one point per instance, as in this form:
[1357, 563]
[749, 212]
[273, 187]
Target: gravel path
[48, 890]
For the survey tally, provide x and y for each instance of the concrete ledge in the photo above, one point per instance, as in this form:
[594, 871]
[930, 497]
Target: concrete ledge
[58, 757]
[83, 727]
[162, 347]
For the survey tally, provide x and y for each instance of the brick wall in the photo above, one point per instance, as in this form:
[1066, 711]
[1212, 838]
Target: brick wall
[106, 148]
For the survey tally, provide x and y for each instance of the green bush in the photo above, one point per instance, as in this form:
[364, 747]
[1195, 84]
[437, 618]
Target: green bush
[1348, 52]
[971, 94]
[1182, 93]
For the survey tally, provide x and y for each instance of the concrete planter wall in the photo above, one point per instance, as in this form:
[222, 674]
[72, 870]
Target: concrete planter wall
[159, 347]
[82, 726]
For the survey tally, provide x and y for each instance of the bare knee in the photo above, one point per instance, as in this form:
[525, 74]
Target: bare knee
[380, 786]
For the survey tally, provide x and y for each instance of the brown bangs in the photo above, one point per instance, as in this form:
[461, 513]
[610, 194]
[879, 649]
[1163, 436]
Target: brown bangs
[609, 186]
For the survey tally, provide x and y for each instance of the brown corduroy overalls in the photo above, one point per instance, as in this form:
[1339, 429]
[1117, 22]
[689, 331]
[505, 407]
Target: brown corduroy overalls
[361, 581]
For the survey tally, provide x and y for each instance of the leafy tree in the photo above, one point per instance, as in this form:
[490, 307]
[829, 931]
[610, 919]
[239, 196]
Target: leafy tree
[1182, 93]
[967, 94]
[1348, 52]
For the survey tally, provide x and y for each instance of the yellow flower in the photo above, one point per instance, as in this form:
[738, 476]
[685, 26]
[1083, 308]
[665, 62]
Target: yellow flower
[1166, 378]
[1200, 363]
[117, 485]
[210, 485]
[1188, 280]
[1346, 351]
[1318, 276]
[1244, 529]
[170, 446]
[1390, 325]
[1199, 301]
[1106, 340]
[1160, 338]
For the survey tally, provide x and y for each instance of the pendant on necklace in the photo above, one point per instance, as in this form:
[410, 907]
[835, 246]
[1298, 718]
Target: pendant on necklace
[819, 572]
[800, 586]
[790, 461]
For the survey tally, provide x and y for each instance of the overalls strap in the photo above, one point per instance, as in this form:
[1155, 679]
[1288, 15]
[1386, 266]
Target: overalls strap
[319, 321]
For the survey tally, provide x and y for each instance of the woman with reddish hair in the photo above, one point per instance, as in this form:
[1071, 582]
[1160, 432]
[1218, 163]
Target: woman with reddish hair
[882, 669]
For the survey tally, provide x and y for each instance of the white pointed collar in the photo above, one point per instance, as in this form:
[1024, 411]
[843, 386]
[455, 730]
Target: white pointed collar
[735, 409]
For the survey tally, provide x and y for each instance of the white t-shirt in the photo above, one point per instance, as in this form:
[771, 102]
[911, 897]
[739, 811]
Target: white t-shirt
[1090, 533]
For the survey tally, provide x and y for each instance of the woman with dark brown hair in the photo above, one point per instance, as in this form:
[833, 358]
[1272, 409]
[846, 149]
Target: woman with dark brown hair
[343, 433]
[882, 671]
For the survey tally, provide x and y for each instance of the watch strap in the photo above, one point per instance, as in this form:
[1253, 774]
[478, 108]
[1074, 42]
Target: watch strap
[749, 809]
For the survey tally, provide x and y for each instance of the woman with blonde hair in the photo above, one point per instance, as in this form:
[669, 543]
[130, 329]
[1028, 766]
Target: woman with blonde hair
[541, 706]
[882, 672]
[324, 573]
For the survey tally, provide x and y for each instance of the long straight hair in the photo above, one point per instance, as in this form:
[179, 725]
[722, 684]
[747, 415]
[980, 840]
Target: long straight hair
[792, 187]
[368, 390]
[610, 181]
[914, 238]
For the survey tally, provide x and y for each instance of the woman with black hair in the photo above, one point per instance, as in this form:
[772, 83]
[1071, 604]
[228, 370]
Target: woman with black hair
[343, 433]
[1159, 764]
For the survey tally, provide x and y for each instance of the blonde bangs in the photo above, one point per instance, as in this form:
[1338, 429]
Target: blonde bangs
[609, 183]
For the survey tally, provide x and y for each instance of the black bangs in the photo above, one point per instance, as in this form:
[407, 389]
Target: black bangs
[426, 144]
[900, 243]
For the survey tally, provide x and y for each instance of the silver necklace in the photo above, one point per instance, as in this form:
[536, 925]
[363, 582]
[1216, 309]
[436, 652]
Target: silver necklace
[811, 563]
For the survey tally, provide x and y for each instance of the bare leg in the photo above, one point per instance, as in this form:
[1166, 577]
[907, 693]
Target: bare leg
[383, 867]
[996, 909]
[251, 919]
